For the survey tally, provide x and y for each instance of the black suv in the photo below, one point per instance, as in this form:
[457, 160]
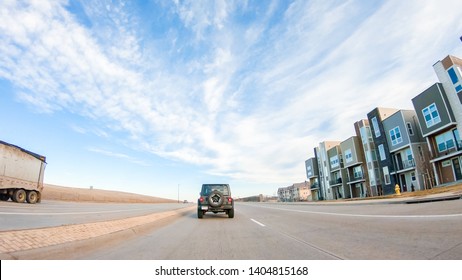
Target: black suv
[215, 198]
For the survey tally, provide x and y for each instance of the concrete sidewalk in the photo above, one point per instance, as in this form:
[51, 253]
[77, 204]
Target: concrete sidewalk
[21, 240]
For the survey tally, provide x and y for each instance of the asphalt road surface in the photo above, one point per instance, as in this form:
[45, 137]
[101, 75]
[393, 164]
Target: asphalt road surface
[49, 213]
[300, 231]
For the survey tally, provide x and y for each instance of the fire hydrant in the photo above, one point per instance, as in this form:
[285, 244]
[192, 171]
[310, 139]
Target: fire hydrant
[397, 190]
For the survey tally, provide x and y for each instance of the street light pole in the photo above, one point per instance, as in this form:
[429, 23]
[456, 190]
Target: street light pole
[178, 193]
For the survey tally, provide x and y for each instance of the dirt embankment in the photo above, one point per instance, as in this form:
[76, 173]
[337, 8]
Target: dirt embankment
[53, 192]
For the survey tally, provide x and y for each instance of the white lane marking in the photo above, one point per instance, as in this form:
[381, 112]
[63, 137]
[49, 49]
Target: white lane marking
[74, 213]
[365, 215]
[258, 223]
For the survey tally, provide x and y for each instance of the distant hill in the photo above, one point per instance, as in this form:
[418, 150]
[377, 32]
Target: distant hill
[53, 192]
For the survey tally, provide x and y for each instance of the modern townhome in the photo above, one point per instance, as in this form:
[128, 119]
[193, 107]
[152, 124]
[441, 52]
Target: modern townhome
[311, 166]
[337, 175]
[376, 117]
[324, 167]
[408, 151]
[413, 149]
[449, 72]
[355, 167]
[372, 168]
[295, 192]
[439, 127]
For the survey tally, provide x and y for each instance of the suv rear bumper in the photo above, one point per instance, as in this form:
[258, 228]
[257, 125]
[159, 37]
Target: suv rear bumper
[222, 208]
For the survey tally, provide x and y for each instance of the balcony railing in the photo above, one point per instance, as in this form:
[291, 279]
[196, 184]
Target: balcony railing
[314, 186]
[454, 149]
[358, 177]
[405, 164]
[337, 181]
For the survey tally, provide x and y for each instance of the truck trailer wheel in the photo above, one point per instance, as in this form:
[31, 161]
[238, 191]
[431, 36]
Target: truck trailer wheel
[19, 196]
[32, 197]
[4, 197]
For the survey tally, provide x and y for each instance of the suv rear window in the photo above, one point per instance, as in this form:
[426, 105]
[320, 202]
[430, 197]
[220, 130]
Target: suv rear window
[208, 188]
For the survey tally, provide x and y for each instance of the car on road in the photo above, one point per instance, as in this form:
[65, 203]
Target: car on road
[215, 198]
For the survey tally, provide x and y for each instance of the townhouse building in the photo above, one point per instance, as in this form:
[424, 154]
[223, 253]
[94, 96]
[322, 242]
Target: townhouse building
[303, 191]
[295, 192]
[372, 171]
[439, 127]
[415, 149]
[449, 73]
[408, 151]
[337, 182]
[376, 118]
[312, 171]
[324, 167]
[354, 167]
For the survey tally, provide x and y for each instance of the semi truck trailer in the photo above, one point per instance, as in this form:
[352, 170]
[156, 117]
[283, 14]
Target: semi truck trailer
[21, 174]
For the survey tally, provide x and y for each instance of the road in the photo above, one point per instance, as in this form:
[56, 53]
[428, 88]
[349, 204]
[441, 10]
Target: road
[301, 231]
[49, 213]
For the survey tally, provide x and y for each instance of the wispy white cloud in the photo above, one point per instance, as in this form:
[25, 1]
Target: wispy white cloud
[244, 91]
[117, 155]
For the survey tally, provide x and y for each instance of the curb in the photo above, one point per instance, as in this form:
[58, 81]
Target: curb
[434, 199]
[23, 240]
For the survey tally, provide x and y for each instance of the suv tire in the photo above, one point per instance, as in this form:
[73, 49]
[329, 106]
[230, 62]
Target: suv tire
[200, 214]
[231, 213]
[216, 199]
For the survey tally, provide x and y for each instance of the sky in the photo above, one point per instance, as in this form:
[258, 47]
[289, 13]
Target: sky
[159, 97]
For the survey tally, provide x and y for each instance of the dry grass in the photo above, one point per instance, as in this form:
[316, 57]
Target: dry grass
[53, 192]
[455, 188]
[436, 190]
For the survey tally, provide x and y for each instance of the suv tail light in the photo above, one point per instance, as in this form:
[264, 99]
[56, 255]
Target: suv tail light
[230, 199]
[201, 199]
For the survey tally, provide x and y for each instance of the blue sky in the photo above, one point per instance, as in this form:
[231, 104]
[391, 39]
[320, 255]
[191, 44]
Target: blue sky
[146, 96]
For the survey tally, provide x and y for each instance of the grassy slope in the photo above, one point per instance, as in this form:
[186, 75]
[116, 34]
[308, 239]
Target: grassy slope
[52, 192]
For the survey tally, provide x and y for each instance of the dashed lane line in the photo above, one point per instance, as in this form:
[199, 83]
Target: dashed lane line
[257, 222]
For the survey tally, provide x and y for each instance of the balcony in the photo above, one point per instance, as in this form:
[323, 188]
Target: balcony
[314, 186]
[357, 178]
[406, 164]
[334, 182]
[452, 150]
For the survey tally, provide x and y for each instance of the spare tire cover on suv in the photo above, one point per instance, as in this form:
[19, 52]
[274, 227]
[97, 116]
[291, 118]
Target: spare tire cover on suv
[216, 199]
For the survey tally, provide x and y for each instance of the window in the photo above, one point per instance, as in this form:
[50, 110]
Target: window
[365, 132]
[413, 177]
[431, 115]
[308, 171]
[395, 136]
[409, 129]
[455, 79]
[371, 176]
[382, 152]
[374, 155]
[458, 88]
[410, 159]
[334, 163]
[377, 178]
[386, 175]
[453, 75]
[348, 156]
[445, 141]
[375, 125]
[408, 154]
[457, 138]
[357, 172]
